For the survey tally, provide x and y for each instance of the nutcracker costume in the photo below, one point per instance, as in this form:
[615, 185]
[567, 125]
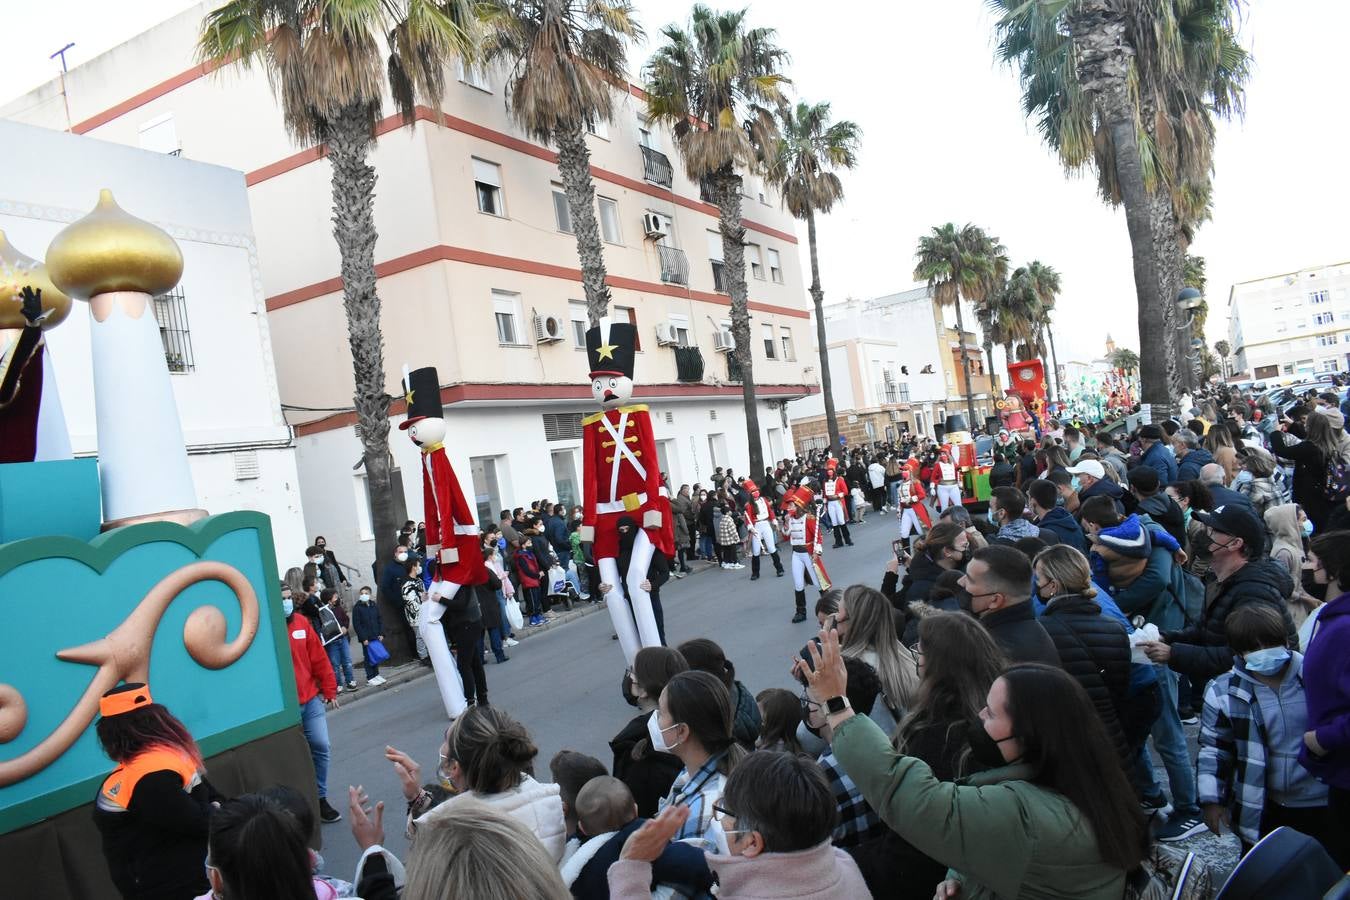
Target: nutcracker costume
[946, 481]
[911, 511]
[621, 478]
[454, 544]
[760, 522]
[803, 533]
[836, 504]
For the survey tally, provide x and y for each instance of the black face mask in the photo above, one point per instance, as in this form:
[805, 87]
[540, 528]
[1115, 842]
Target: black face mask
[984, 749]
[1311, 586]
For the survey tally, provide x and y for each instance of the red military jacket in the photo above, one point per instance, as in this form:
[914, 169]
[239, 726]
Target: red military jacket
[759, 509]
[835, 488]
[452, 536]
[621, 476]
[805, 532]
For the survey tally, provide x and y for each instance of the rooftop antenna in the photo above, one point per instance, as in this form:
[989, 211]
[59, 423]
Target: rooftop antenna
[62, 53]
[65, 99]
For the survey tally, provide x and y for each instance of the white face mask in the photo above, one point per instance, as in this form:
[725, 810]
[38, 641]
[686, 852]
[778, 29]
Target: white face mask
[401, 557]
[658, 734]
[365, 598]
[316, 559]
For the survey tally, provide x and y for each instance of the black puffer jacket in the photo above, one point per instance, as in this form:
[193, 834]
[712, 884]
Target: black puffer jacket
[1017, 630]
[1201, 651]
[1310, 476]
[1096, 652]
[919, 579]
[648, 773]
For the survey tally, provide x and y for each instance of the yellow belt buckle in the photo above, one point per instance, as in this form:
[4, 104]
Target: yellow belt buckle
[631, 502]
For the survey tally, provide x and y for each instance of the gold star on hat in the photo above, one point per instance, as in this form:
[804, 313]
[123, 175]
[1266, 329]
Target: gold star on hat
[606, 351]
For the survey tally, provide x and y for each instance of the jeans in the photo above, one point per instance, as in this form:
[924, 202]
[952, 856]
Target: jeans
[705, 546]
[1170, 741]
[371, 671]
[575, 580]
[315, 724]
[893, 492]
[506, 624]
[340, 655]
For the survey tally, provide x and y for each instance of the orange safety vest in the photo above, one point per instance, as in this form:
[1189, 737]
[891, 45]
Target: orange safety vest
[121, 784]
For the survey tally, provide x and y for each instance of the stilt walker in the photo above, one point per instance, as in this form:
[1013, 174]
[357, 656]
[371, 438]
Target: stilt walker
[760, 522]
[947, 487]
[621, 478]
[911, 512]
[453, 540]
[836, 490]
[803, 533]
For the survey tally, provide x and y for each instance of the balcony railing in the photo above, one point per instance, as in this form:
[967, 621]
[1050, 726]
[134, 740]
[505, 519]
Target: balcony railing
[674, 264]
[733, 369]
[688, 364]
[706, 192]
[720, 276]
[656, 167]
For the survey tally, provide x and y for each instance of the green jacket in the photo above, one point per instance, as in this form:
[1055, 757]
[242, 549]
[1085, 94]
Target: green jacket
[1000, 835]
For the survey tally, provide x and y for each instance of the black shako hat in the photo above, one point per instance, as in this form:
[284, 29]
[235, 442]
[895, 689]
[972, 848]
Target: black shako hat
[610, 348]
[422, 393]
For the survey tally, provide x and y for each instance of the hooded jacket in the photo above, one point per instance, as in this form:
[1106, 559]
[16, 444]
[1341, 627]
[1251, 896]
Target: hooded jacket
[1326, 681]
[1201, 651]
[1096, 652]
[1104, 487]
[537, 806]
[918, 582]
[1188, 468]
[1165, 511]
[1061, 523]
[1162, 462]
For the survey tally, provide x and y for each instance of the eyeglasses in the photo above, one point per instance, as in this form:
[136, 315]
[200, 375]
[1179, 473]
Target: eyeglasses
[835, 621]
[721, 814]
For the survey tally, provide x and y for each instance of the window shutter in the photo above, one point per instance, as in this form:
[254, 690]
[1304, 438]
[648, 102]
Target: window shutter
[562, 427]
[487, 172]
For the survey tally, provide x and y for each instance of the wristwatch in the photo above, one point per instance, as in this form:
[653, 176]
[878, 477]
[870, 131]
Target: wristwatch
[837, 704]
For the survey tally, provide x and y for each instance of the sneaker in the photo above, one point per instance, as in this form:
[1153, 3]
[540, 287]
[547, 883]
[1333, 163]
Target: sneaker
[737, 566]
[510, 642]
[677, 573]
[780, 573]
[375, 682]
[503, 658]
[339, 688]
[799, 616]
[327, 813]
[1180, 826]
[1189, 718]
[351, 685]
[1153, 803]
[754, 577]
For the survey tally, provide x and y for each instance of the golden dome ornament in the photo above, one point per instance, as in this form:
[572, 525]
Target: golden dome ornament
[111, 250]
[17, 271]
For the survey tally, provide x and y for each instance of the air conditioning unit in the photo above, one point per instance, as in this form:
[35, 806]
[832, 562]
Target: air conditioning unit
[547, 329]
[654, 225]
[723, 341]
[665, 335]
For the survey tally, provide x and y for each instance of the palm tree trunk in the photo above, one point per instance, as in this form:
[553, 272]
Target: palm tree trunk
[965, 365]
[728, 186]
[574, 164]
[354, 230]
[1054, 361]
[1163, 221]
[1103, 58]
[818, 298]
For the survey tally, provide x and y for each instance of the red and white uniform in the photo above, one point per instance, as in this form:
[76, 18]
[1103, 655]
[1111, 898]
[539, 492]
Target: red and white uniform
[948, 487]
[911, 511]
[759, 522]
[452, 536]
[836, 489]
[803, 533]
[621, 478]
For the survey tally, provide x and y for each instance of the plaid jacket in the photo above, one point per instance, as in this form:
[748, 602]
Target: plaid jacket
[699, 793]
[857, 821]
[1232, 764]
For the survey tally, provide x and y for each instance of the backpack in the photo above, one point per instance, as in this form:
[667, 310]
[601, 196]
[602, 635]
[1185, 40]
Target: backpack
[1338, 481]
[1167, 873]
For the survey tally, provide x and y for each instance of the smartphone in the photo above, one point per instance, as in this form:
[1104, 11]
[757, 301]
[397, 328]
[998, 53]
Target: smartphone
[806, 657]
[900, 551]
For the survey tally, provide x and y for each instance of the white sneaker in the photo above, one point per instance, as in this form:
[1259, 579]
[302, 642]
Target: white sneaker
[375, 682]
[737, 566]
[339, 688]
[510, 642]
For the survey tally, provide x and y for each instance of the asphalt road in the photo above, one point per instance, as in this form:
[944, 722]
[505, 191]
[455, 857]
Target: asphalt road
[563, 684]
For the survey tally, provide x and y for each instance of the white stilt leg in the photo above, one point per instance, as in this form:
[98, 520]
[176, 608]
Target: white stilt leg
[619, 612]
[442, 663]
[638, 566]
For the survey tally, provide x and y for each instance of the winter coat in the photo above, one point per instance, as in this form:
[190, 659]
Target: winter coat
[527, 568]
[1164, 510]
[1261, 493]
[366, 620]
[650, 777]
[682, 510]
[464, 608]
[727, 532]
[313, 671]
[745, 727]
[486, 595]
[822, 872]
[1061, 523]
[1015, 530]
[1310, 476]
[1224, 496]
[1201, 651]
[1326, 679]
[1188, 468]
[920, 576]
[1107, 488]
[704, 518]
[537, 806]
[1096, 651]
[1164, 463]
[585, 866]
[1152, 595]
[979, 825]
[1021, 636]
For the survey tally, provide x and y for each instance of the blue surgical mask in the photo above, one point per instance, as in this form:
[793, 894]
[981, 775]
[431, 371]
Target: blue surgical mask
[287, 607]
[1076, 484]
[1266, 661]
[1186, 517]
[992, 516]
[1308, 528]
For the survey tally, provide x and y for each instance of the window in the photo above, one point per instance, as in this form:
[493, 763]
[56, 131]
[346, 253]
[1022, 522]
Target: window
[1325, 318]
[506, 307]
[1318, 297]
[719, 268]
[160, 136]
[663, 451]
[785, 335]
[717, 449]
[609, 221]
[1326, 340]
[364, 505]
[577, 310]
[1288, 370]
[474, 77]
[679, 325]
[565, 477]
[629, 315]
[645, 136]
[600, 129]
[770, 345]
[171, 314]
[562, 214]
[1328, 365]
[563, 427]
[775, 266]
[487, 494]
[487, 181]
[756, 261]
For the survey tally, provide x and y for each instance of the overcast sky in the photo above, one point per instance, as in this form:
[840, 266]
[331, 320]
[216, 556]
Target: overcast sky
[944, 140]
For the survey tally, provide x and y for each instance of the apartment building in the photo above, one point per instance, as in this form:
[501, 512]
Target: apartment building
[895, 366]
[478, 276]
[1291, 326]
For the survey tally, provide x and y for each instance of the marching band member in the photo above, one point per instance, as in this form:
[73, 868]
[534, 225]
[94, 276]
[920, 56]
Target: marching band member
[803, 533]
[911, 512]
[759, 522]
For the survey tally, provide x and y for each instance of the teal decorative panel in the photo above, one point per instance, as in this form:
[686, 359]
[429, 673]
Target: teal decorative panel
[42, 499]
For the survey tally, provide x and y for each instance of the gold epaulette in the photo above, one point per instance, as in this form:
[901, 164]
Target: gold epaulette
[640, 407]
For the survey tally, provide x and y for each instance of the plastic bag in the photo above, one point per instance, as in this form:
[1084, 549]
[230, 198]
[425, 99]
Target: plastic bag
[375, 653]
[513, 616]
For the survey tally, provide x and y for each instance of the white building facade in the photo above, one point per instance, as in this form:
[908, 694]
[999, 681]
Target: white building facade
[1291, 326]
[213, 325]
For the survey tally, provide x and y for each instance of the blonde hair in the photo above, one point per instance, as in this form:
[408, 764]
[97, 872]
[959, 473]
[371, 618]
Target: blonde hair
[872, 627]
[1068, 568]
[474, 852]
[1227, 458]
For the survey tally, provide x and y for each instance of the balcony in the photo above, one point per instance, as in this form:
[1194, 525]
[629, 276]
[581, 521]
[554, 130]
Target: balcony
[674, 265]
[706, 192]
[688, 364]
[656, 167]
[720, 276]
[733, 369]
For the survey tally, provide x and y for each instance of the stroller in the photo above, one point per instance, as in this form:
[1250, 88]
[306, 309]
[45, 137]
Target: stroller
[559, 590]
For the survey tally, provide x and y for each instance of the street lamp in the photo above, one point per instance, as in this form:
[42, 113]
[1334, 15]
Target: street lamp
[1188, 301]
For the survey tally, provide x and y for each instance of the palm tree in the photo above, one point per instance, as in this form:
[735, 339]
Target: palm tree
[1126, 360]
[1043, 282]
[1222, 348]
[711, 84]
[325, 63]
[566, 57]
[801, 166]
[958, 264]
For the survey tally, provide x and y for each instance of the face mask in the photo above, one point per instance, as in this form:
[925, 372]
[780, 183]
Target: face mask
[1308, 528]
[287, 607]
[401, 557]
[1267, 661]
[1243, 477]
[1076, 485]
[365, 598]
[992, 516]
[1311, 585]
[1186, 517]
[984, 749]
[657, 734]
[316, 559]
[1059, 499]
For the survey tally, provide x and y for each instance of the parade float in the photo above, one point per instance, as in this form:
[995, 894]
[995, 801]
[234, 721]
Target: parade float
[1022, 409]
[110, 572]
